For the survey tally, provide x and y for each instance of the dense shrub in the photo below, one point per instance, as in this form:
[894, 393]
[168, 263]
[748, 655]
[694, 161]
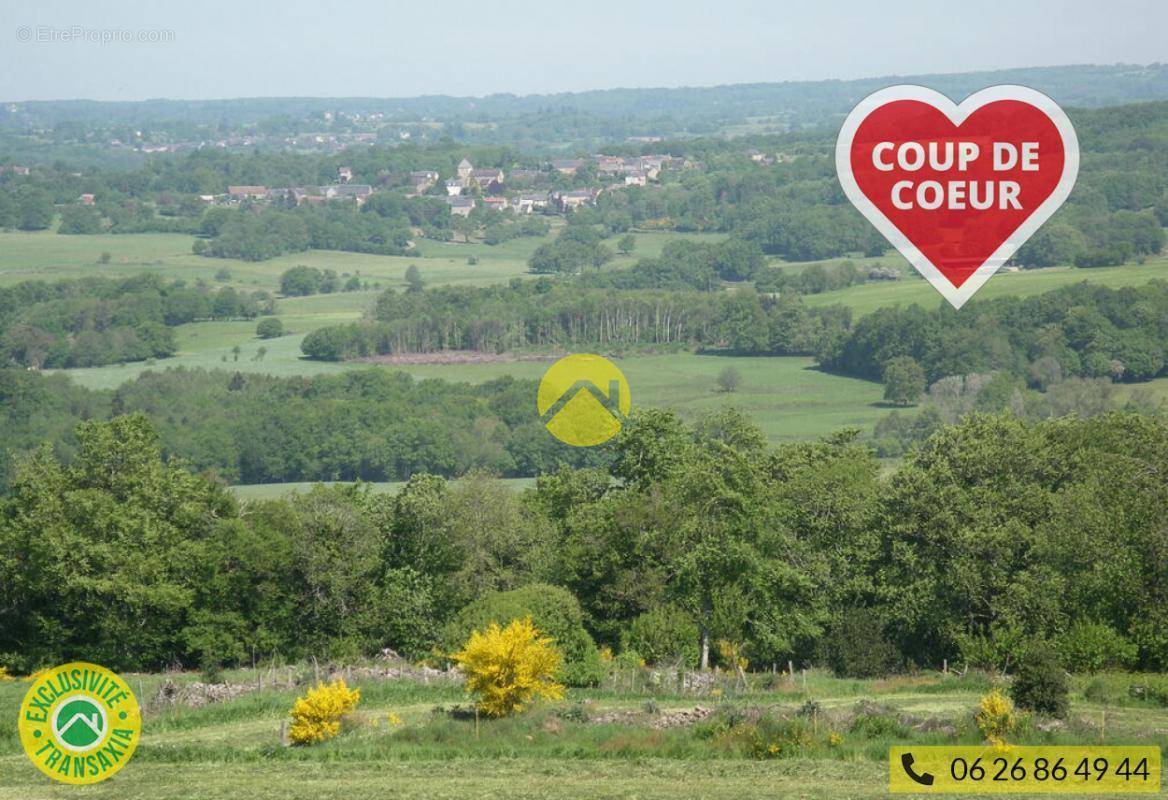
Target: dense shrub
[857, 648]
[508, 667]
[301, 281]
[317, 716]
[995, 717]
[663, 635]
[554, 612]
[270, 328]
[1040, 684]
[1092, 647]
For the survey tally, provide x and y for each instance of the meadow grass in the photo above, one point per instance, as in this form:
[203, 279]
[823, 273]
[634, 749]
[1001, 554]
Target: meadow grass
[48, 256]
[44, 255]
[232, 749]
[788, 397]
[865, 298]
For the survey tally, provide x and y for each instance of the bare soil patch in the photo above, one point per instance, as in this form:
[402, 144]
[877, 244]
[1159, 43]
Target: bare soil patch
[453, 357]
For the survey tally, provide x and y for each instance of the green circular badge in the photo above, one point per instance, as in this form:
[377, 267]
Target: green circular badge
[79, 723]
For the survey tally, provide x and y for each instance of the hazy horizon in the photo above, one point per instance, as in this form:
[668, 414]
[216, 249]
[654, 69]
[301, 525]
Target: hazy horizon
[218, 50]
[226, 98]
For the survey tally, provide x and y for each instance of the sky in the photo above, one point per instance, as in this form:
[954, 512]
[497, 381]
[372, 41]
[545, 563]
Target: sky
[62, 49]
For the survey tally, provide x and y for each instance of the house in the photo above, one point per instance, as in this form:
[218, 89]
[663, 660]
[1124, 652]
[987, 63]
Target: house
[569, 200]
[423, 180]
[238, 193]
[527, 202]
[347, 191]
[18, 170]
[636, 178]
[496, 203]
[344, 175]
[85, 199]
[609, 165]
[290, 195]
[487, 179]
[454, 187]
[567, 166]
[525, 175]
[465, 168]
[461, 205]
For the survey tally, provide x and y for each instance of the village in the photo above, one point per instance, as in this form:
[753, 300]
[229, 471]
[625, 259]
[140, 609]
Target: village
[525, 190]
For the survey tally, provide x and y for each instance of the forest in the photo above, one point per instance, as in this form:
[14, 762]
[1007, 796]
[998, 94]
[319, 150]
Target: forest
[996, 533]
[95, 321]
[370, 425]
[1080, 331]
[540, 313]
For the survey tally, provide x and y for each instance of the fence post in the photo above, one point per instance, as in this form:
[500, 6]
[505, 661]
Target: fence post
[790, 672]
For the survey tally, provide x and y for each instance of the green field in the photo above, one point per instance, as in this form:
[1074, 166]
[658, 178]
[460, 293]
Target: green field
[232, 749]
[49, 256]
[786, 396]
[867, 297]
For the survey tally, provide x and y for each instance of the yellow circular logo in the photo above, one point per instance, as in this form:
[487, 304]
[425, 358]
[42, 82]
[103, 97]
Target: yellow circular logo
[79, 723]
[583, 399]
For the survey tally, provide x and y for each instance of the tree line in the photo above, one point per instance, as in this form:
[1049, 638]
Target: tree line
[371, 425]
[1083, 330]
[257, 233]
[94, 321]
[993, 535]
[544, 313]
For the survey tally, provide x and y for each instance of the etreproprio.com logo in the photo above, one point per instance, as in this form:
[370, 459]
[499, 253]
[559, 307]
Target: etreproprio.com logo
[79, 34]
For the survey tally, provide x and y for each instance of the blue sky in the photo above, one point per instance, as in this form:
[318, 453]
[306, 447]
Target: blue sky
[396, 49]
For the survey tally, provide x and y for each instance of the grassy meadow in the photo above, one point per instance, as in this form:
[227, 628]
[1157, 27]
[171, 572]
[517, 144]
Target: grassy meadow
[867, 297]
[606, 742]
[788, 397]
[49, 256]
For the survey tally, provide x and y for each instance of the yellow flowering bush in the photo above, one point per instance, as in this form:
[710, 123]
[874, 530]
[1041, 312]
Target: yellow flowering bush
[731, 653]
[4, 676]
[317, 715]
[393, 719]
[996, 718]
[508, 667]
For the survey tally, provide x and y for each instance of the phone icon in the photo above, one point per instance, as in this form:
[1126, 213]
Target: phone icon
[906, 761]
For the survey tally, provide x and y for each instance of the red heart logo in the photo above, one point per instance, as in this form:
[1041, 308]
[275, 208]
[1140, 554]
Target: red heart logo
[957, 189]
